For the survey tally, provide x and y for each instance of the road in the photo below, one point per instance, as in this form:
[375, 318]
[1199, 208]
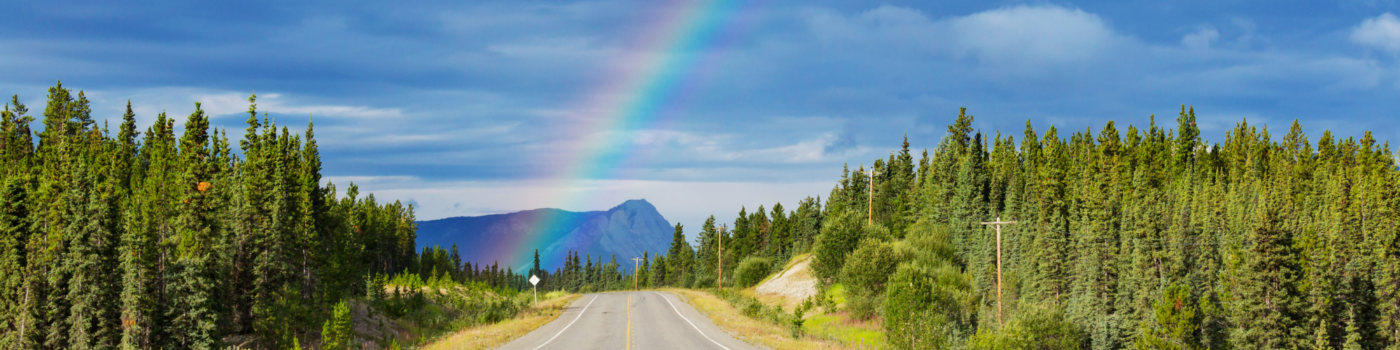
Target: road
[629, 320]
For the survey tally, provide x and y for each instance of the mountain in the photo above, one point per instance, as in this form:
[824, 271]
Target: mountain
[626, 230]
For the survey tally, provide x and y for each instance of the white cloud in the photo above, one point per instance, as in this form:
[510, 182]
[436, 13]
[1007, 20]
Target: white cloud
[1031, 33]
[179, 101]
[1016, 36]
[1201, 39]
[1382, 32]
[728, 148]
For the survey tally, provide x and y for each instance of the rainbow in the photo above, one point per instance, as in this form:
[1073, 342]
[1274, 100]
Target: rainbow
[647, 83]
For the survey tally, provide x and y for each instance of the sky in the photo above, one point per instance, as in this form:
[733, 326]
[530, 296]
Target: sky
[700, 107]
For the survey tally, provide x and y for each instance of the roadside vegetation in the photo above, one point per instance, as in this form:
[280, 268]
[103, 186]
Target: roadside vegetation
[490, 336]
[1145, 238]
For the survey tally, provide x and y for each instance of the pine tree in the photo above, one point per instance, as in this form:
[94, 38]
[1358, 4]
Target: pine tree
[15, 231]
[1266, 301]
[194, 320]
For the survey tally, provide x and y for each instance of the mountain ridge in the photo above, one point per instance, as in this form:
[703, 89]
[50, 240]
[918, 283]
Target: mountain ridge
[626, 230]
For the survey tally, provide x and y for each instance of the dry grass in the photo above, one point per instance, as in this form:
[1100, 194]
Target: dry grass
[748, 329]
[495, 335]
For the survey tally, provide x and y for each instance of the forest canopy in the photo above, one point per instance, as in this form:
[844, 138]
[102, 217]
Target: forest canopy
[145, 240]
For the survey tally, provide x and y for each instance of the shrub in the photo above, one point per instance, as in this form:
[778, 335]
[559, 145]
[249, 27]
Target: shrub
[929, 307]
[1034, 327]
[865, 273]
[868, 267]
[752, 308]
[864, 304]
[703, 281]
[837, 239]
[930, 242]
[752, 270]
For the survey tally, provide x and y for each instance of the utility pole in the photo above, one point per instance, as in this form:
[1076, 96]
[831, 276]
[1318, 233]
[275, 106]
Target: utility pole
[998, 224]
[719, 281]
[636, 269]
[870, 206]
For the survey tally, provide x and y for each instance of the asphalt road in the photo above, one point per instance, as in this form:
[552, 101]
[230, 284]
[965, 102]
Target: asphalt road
[629, 320]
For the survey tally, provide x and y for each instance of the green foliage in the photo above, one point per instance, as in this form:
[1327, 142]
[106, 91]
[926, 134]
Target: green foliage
[838, 238]
[15, 229]
[338, 333]
[929, 307]
[865, 273]
[1035, 326]
[870, 265]
[930, 303]
[174, 241]
[1263, 242]
[755, 309]
[753, 270]
[1176, 321]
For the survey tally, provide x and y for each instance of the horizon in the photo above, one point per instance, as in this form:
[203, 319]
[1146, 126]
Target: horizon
[702, 107]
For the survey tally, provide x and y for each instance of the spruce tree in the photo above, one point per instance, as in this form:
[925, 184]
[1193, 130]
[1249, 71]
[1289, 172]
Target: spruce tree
[15, 231]
[194, 320]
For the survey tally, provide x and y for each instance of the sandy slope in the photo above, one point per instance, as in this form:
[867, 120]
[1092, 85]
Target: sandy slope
[795, 282]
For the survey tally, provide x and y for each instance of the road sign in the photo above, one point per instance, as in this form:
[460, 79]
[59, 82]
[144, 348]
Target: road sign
[534, 283]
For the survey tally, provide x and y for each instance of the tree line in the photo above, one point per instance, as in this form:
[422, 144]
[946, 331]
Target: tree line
[1147, 238]
[147, 240]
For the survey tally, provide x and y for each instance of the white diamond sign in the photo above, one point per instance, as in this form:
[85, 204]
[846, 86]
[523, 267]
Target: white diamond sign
[534, 280]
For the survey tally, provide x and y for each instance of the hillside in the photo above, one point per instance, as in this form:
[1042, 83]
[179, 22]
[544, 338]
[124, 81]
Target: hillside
[627, 230]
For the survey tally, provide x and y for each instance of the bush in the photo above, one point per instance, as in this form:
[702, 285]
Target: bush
[865, 273]
[1034, 327]
[752, 270]
[752, 308]
[703, 281]
[931, 243]
[868, 267]
[929, 307]
[837, 239]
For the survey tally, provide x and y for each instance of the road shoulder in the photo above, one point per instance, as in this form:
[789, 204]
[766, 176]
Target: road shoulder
[495, 335]
[747, 329]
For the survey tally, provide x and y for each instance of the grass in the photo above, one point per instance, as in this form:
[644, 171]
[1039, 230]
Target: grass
[842, 327]
[495, 335]
[747, 329]
[832, 328]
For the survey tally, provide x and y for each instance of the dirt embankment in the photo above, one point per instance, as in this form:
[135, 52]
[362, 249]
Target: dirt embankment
[795, 282]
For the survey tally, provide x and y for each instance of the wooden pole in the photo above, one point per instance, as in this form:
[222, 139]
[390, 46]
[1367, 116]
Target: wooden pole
[998, 224]
[719, 280]
[636, 269]
[870, 204]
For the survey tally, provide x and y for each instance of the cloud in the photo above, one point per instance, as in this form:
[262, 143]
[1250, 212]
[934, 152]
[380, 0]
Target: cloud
[1044, 34]
[1201, 39]
[179, 101]
[842, 141]
[1018, 40]
[1381, 32]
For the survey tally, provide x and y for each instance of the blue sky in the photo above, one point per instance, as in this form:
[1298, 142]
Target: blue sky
[458, 106]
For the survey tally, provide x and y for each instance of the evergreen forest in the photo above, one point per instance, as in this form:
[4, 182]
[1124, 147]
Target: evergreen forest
[1141, 238]
[155, 239]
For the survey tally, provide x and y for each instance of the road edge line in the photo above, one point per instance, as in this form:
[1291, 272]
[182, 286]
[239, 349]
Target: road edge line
[580, 315]
[692, 324]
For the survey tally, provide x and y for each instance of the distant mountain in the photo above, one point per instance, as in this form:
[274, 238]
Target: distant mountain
[626, 230]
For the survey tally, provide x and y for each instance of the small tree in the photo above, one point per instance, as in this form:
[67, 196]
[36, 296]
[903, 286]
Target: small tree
[338, 333]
